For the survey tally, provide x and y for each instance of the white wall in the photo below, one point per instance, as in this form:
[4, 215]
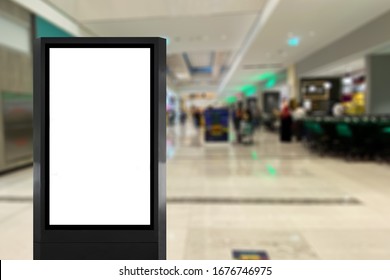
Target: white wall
[14, 35]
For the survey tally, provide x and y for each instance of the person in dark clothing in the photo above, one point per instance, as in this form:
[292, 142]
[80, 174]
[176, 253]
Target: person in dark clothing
[171, 117]
[285, 123]
[196, 115]
[183, 117]
[249, 115]
[198, 118]
[237, 118]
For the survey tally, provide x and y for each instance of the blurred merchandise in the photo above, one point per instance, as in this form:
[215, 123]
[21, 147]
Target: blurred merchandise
[356, 106]
[321, 94]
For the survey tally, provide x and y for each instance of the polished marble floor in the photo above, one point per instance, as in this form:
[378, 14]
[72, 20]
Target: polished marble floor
[271, 197]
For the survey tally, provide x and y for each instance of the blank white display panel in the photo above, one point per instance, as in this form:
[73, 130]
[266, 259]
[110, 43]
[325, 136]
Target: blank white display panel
[99, 136]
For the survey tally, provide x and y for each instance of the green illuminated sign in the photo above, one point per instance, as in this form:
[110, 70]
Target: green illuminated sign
[231, 100]
[271, 83]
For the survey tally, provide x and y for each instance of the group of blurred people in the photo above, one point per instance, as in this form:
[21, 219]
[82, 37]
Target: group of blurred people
[291, 116]
[246, 119]
[182, 116]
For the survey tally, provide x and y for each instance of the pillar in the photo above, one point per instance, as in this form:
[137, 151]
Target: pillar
[378, 84]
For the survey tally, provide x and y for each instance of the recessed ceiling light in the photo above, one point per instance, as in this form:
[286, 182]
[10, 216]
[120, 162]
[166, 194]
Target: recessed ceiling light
[294, 41]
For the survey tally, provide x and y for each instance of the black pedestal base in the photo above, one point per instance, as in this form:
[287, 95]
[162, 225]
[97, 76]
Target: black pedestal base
[95, 251]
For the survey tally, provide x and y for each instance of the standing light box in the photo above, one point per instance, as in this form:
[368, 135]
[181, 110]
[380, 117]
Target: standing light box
[99, 148]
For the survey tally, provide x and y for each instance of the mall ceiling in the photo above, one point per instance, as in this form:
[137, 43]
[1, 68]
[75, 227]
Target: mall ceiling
[355, 65]
[223, 45]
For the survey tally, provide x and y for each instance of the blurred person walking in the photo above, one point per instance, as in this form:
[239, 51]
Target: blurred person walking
[196, 116]
[171, 117]
[183, 120]
[238, 114]
[183, 117]
[247, 127]
[285, 122]
[255, 115]
[298, 116]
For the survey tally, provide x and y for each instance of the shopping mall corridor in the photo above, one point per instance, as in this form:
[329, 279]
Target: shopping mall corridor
[271, 197]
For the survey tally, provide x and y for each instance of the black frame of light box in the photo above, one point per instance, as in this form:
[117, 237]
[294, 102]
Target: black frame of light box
[156, 231]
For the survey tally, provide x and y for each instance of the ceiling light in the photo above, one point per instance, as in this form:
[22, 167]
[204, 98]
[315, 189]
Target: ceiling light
[347, 81]
[265, 76]
[327, 85]
[271, 83]
[258, 25]
[248, 90]
[231, 99]
[294, 41]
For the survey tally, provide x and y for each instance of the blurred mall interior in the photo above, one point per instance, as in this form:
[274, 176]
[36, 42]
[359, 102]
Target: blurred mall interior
[278, 121]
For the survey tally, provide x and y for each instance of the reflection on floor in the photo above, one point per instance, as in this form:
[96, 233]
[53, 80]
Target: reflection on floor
[269, 197]
[273, 197]
[16, 215]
